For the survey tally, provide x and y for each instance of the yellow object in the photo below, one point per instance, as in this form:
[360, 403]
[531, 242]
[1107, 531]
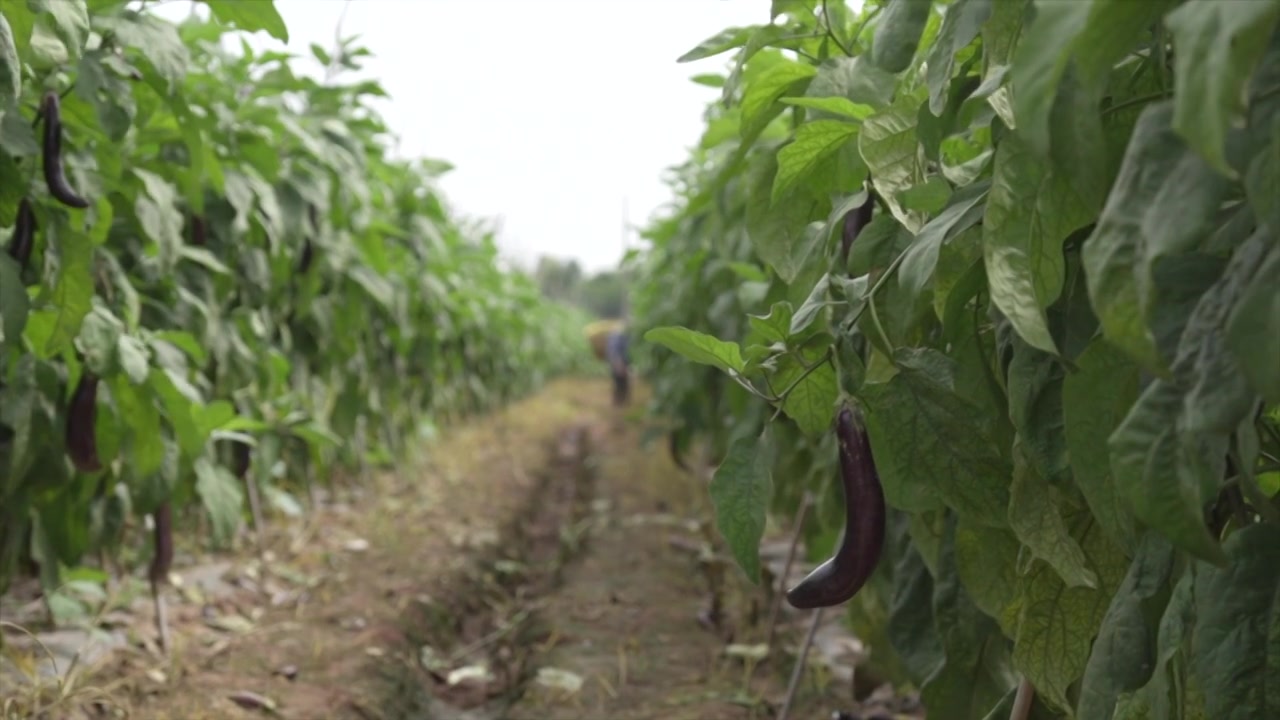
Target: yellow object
[598, 334]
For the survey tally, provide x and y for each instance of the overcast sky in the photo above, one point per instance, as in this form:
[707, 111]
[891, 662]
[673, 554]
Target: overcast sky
[554, 112]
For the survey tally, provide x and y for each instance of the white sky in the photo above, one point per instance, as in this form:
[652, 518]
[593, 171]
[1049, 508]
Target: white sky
[554, 112]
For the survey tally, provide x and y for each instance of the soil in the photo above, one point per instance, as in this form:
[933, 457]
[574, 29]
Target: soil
[538, 563]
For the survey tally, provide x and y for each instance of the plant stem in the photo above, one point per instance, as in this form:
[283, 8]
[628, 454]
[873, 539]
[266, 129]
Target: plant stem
[798, 530]
[799, 668]
[1022, 701]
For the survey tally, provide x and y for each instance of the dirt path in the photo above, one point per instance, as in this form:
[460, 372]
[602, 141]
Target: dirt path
[539, 564]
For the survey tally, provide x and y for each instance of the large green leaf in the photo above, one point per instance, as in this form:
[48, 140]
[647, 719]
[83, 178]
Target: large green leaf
[961, 24]
[72, 294]
[892, 152]
[1057, 624]
[1218, 45]
[1167, 476]
[10, 68]
[1253, 329]
[898, 33]
[1123, 657]
[741, 490]
[1029, 214]
[929, 449]
[1095, 399]
[251, 16]
[13, 303]
[698, 347]
[815, 142]
[1235, 647]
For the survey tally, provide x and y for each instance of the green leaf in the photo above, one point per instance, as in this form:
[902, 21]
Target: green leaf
[1033, 384]
[1218, 394]
[251, 16]
[69, 20]
[1041, 59]
[1095, 399]
[819, 297]
[1165, 476]
[158, 214]
[838, 106]
[1110, 34]
[855, 79]
[1029, 214]
[13, 302]
[144, 440]
[1253, 329]
[774, 327]
[782, 235]
[987, 561]
[155, 38]
[1113, 251]
[960, 25]
[741, 491]
[1124, 654]
[10, 66]
[1037, 521]
[220, 494]
[1057, 624]
[911, 628]
[723, 41]
[762, 93]
[698, 347]
[898, 33]
[928, 198]
[815, 142]
[98, 338]
[976, 672]
[134, 358]
[889, 145]
[1262, 183]
[932, 445]
[72, 293]
[812, 399]
[962, 212]
[178, 408]
[1235, 647]
[1218, 44]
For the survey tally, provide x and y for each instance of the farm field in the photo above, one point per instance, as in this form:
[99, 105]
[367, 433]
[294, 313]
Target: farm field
[530, 578]
[942, 381]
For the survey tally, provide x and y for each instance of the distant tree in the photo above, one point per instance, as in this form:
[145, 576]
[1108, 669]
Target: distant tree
[559, 280]
[602, 294]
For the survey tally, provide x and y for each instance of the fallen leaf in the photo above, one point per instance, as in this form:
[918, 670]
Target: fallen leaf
[470, 673]
[252, 701]
[558, 679]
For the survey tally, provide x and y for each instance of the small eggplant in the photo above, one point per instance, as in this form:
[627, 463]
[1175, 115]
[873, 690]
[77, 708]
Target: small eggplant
[240, 459]
[673, 447]
[54, 177]
[24, 234]
[855, 221]
[199, 233]
[837, 580]
[82, 413]
[304, 261]
[163, 541]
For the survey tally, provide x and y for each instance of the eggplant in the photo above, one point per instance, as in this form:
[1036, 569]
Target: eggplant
[840, 578]
[54, 176]
[82, 414]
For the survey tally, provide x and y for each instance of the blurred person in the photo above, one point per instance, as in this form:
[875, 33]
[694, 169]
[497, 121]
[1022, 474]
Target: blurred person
[616, 352]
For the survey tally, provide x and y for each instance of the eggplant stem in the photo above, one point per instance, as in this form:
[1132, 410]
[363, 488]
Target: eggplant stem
[162, 616]
[800, 661]
[1022, 701]
[798, 526]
